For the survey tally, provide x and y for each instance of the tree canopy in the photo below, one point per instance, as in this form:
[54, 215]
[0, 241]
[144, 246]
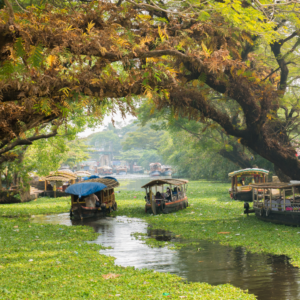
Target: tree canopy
[224, 61]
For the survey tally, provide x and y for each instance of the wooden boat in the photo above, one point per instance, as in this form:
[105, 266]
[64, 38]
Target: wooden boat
[242, 180]
[138, 169]
[155, 169]
[274, 204]
[105, 170]
[103, 188]
[158, 201]
[121, 170]
[166, 171]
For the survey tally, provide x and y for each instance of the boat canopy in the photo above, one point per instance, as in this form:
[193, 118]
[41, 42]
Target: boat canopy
[276, 185]
[94, 176]
[248, 172]
[60, 177]
[83, 173]
[110, 183]
[110, 177]
[85, 188]
[165, 181]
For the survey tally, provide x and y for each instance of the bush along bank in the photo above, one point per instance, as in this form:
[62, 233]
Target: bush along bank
[54, 262]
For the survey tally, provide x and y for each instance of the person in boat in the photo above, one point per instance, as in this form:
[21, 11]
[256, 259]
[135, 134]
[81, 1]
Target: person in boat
[175, 190]
[240, 183]
[168, 194]
[158, 195]
[92, 201]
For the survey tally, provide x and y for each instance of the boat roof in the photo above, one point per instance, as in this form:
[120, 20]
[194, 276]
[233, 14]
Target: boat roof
[276, 185]
[104, 167]
[165, 181]
[109, 182]
[249, 171]
[60, 176]
[85, 188]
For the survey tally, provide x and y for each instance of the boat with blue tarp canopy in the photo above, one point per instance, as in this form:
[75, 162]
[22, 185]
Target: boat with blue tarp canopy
[93, 198]
[85, 188]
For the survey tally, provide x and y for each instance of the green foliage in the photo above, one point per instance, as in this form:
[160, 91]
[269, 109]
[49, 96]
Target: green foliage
[36, 56]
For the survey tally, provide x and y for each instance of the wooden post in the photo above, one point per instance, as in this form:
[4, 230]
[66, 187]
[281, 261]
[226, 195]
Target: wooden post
[54, 189]
[263, 197]
[284, 199]
[253, 194]
[45, 185]
[293, 193]
[271, 198]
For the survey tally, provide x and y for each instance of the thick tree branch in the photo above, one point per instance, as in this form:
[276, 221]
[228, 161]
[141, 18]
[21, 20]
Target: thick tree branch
[27, 141]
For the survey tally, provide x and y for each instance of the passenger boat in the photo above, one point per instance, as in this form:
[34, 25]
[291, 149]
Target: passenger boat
[103, 188]
[166, 171]
[121, 170]
[138, 169]
[155, 169]
[242, 180]
[105, 170]
[279, 202]
[159, 200]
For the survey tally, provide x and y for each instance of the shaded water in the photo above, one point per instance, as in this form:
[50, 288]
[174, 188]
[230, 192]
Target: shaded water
[269, 277]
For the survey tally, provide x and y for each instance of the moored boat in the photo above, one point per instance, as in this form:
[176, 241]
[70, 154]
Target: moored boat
[160, 201]
[121, 170]
[166, 171]
[155, 169]
[138, 169]
[105, 170]
[103, 188]
[279, 202]
[242, 180]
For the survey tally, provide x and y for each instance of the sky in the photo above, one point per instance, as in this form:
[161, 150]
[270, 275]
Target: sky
[107, 120]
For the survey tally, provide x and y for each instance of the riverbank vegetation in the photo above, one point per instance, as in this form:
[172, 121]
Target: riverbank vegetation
[55, 262]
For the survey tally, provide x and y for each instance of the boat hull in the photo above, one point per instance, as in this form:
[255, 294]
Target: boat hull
[168, 207]
[155, 173]
[243, 196]
[278, 217]
[87, 212]
[166, 173]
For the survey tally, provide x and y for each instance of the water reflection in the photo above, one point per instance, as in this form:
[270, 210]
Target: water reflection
[269, 277]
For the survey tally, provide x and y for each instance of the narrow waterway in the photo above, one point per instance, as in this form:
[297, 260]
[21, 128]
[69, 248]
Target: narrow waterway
[269, 277]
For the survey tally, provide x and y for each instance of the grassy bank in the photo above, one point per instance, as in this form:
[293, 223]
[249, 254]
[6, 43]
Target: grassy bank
[212, 215]
[54, 262]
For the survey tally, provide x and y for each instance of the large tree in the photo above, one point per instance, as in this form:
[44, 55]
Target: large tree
[187, 55]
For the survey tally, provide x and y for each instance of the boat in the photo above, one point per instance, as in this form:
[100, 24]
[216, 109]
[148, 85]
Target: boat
[103, 188]
[138, 169]
[158, 201]
[121, 170]
[166, 171]
[278, 203]
[105, 170]
[242, 180]
[155, 169]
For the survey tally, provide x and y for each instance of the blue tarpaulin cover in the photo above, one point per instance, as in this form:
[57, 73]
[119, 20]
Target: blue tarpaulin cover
[94, 176]
[110, 177]
[85, 188]
[85, 178]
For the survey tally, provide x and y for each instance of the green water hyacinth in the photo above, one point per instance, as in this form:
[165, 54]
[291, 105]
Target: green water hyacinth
[54, 262]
